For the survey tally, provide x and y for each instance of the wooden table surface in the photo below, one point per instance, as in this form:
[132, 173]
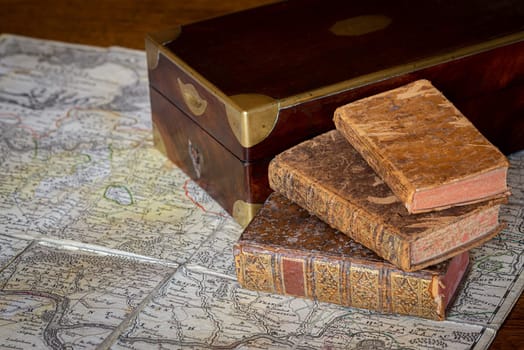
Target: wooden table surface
[125, 23]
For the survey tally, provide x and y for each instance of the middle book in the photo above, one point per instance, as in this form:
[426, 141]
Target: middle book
[330, 179]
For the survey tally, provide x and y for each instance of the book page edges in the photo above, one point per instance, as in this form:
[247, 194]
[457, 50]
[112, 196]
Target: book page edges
[443, 287]
[474, 189]
[416, 265]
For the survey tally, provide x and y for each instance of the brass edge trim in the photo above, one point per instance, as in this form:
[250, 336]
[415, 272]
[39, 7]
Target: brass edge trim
[253, 122]
[156, 40]
[243, 212]
[245, 114]
[398, 70]
[158, 141]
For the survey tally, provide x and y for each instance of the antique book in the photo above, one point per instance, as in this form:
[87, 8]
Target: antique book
[424, 148]
[286, 250]
[329, 178]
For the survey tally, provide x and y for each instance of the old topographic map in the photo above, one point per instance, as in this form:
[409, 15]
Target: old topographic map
[105, 244]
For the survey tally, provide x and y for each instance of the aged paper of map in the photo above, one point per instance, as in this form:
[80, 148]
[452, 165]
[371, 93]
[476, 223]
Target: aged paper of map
[105, 244]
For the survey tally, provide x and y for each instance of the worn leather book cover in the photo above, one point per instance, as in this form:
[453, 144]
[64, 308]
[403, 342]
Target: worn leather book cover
[424, 148]
[286, 250]
[329, 178]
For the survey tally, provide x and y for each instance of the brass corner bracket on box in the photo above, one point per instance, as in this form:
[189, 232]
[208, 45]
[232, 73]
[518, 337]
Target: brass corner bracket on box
[251, 117]
[158, 141]
[244, 212]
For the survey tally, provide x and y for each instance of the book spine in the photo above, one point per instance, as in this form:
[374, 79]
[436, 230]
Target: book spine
[400, 185]
[340, 214]
[372, 286]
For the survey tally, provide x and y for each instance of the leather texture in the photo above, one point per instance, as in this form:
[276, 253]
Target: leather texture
[419, 142]
[286, 250]
[329, 178]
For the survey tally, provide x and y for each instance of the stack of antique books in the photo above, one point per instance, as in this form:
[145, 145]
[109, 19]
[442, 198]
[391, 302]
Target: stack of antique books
[381, 212]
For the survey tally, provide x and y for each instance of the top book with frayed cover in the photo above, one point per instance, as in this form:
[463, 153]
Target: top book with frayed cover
[424, 148]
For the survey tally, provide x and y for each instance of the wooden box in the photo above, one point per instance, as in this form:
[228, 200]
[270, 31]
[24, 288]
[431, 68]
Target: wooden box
[229, 93]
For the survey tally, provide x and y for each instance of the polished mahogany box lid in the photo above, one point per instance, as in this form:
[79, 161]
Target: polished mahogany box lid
[242, 76]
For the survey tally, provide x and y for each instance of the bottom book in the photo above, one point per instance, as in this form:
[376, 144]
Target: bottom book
[285, 250]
